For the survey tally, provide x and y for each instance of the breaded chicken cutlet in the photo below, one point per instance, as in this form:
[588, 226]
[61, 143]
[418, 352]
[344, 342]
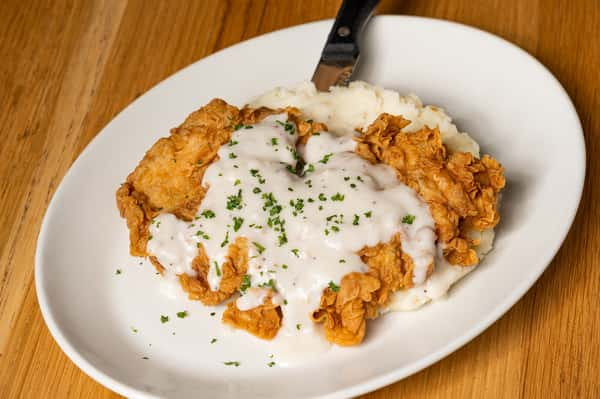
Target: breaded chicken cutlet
[460, 190]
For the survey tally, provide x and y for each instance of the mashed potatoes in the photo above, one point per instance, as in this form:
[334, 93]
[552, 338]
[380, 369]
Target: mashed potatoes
[347, 109]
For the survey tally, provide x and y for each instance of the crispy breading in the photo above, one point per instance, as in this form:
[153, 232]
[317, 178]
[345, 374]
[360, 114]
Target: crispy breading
[391, 266]
[461, 190]
[169, 177]
[262, 321]
[233, 269]
[344, 312]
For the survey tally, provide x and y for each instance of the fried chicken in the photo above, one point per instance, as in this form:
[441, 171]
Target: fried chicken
[461, 192]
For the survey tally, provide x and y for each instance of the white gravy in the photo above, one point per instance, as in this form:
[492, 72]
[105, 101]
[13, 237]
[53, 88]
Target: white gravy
[303, 232]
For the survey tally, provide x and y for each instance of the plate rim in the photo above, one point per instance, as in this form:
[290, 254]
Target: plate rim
[373, 383]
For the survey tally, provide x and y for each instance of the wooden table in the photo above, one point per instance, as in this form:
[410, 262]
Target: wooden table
[67, 68]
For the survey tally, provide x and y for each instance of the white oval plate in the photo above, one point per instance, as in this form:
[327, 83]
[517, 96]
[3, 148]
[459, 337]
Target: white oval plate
[502, 96]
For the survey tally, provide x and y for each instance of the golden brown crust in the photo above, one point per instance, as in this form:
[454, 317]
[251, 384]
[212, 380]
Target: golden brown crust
[134, 208]
[262, 321]
[344, 312]
[233, 269]
[461, 190]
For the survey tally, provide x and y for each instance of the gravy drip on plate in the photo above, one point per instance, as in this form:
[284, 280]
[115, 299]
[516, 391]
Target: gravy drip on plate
[303, 231]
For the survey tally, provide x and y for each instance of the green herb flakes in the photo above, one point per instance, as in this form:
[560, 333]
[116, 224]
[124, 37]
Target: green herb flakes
[245, 283]
[237, 223]
[208, 214]
[408, 219]
[259, 247]
[232, 363]
[325, 158]
[333, 286]
[337, 197]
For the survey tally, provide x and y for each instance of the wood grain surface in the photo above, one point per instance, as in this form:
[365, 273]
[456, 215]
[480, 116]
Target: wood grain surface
[68, 67]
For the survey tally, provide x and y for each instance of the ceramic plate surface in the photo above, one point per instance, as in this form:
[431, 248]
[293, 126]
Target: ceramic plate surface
[503, 97]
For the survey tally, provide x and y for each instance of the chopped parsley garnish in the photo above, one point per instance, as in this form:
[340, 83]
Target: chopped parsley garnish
[308, 183]
[255, 173]
[295, 251]
[226, 240]
[256, 190]
[217, 268]
[245, 283]
[164, 319]
[355, 222]
[237, 223]
[199, 162]
[287, 126]
[232, 143]
[352, 185]
[335, 228]
[333, 286]
[232, 363]
[145, 358]
[368, 214]
[212, 313]
[271, 364]
[342, 260]
[325, 158]
[346, 178]
[212, 341]
[322, 197]
[290, 189]
[310, 200]
[337, 197]
[284, 266]
[134, 330]
[274, 141]
[232, 155]
[298, 326]
[235, 201]
[149, 237]
[208, 214]
[259, 247]
[182, 314]
[269, 284]
[293, 152]
[298, 204]
[285, 302]
[202, 234]
[408, 219]
[360, 179]
[308, 169]
[238, 126]
[237, 182]
[118, 271]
